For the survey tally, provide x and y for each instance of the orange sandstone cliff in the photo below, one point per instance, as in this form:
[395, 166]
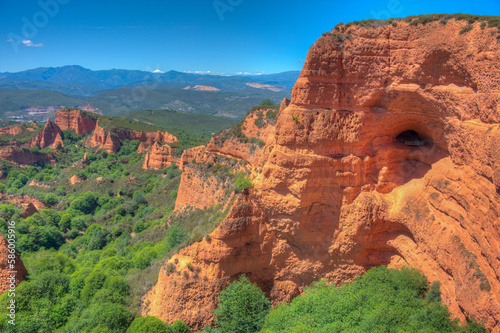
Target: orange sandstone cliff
[388, 154]
[109, 139]
[208, 171]
[104, 139]
[159, 157]
[12, 270]
[79, 121]
[24, 156]
[49, 137]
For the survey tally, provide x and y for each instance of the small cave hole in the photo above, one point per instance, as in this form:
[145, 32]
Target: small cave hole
[411, 138]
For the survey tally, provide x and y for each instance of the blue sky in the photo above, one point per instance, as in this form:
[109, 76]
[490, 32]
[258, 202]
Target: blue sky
[220, 36]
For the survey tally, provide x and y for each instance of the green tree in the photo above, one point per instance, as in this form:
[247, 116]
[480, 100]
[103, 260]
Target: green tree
[50, 199]
[139, 198]
[242, 307]
[267, 102]
[381, 300]
[242, 182]
[180, 327]
[149, 324]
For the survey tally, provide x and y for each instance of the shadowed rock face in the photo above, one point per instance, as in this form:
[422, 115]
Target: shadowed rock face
[340, 191]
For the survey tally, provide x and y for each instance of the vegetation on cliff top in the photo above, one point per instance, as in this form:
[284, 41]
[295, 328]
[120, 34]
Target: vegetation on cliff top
[486, 21]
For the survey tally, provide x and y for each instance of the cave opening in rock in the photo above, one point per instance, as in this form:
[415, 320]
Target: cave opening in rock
[411, 138]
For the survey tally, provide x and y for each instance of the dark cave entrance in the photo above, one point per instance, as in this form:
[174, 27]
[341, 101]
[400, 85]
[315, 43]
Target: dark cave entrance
[411, 138]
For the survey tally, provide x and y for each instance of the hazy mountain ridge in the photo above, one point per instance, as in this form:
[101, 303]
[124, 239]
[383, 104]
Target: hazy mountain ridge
[80, 81]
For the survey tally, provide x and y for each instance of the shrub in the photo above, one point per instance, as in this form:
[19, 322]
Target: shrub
[242, 183]
[180, 327]
[242, 307]
[466, 29]
[139, 198]
[50, 199]
[381, 300]
[148, 324]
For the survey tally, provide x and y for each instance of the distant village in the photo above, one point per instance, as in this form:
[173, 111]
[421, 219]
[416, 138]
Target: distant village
[36, 109]
[43, 112]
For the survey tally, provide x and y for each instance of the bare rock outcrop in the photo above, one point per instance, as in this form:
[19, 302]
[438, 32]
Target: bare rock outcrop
[81, 122]
[104, 139]
[252, 140]
[205, 179]
[160, 157]
[12, 270]
[49, 137]
[24, 156]
[388, 154]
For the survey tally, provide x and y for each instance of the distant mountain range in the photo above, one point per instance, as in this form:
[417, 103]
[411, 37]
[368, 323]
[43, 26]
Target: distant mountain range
[81, 82]
[118, 91]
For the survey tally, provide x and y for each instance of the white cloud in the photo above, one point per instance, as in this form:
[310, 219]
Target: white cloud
[29, 43]
[9, 40]
[158, 71]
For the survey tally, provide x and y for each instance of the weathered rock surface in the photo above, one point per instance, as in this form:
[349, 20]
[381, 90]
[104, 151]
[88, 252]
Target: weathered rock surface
[103, 139]
[12, 130]
[252, 141]
[160, 157]
[204, 181]
[74, 179]
[148, 139]
[25, 156]
[6, 260]
[49, 137]
[77, 120]
[388, 154]
[29, 210]
[109, 139]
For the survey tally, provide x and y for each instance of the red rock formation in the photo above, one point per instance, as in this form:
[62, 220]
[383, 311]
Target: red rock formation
[24, 156]
[29, 210]
[80, 121]
[200, 186]
[159, 157]
[110, 139]
[74, 179]
[348, 186]
[103, 139]
[10, 276]
[12, 130]
[284, 104]
[255, 141]
[25, 201]
[49, 137]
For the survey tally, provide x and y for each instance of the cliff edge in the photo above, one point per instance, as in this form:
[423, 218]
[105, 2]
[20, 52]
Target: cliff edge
[388, 154]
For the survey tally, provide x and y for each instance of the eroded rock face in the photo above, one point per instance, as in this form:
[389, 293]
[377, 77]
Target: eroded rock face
[5, 276]
[202, 186]
[103, 139]
[24, 156]
[49, 137]
[254, 140]
[12, 130]
[159, 157]
[109, 140]
[388, 154]
[77, 120]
